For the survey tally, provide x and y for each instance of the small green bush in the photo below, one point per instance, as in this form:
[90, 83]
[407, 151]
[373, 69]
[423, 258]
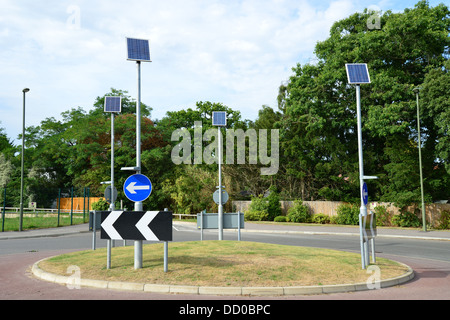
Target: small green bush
[299, 212]
[347, 214]
[274, 205]
[258, 210]
[100, 205]
[256, 215]
[406, 219]
[444, 220]
[383, 216]
[280, 219]
[321, 218]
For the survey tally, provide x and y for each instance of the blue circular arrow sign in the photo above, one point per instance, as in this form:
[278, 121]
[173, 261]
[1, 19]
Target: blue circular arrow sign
[137, 188]
[365, 193]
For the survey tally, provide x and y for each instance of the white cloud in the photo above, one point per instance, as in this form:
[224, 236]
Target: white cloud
[236, 52]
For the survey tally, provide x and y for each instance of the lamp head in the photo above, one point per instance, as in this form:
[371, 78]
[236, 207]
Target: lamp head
[25, 90]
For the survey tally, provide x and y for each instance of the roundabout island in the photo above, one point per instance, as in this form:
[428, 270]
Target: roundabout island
[232, 268]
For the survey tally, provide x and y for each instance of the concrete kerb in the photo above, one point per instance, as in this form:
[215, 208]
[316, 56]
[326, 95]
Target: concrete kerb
[222, 291]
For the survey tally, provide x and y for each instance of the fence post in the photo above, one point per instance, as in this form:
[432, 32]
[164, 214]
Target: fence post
[239, 225]
[71, 205]
[94, 230]
[84, 203]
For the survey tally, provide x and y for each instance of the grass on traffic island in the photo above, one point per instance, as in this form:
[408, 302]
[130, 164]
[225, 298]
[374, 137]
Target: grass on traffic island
[224, 263]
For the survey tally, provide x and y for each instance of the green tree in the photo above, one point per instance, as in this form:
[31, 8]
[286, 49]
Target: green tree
[274, 205]
[319, 107]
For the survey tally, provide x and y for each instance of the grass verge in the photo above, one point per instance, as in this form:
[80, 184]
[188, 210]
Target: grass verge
[225, 263]
[42, 222]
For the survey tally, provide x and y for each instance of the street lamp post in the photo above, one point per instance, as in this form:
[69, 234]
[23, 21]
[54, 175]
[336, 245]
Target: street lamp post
[424, 222]
[22, 161]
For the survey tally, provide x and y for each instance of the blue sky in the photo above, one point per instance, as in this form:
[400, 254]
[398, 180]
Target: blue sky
[236, 52]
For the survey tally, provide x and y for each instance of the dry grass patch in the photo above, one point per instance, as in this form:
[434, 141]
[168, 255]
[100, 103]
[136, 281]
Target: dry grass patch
[225, 263]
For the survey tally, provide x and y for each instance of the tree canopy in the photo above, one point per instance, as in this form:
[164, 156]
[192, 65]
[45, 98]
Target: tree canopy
[316, 119]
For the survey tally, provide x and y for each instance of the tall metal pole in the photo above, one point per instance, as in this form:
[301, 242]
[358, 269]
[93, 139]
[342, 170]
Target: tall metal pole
[138, 205]
[22, 161]
[360, 148]
[220, 216]
[362, 209]
[424, 221]
[59, 204]
[112, 206]
[110, 243]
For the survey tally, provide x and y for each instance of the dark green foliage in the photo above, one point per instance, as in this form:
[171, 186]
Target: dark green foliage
[274, 205]
[258, 210]
[347, 214]
[406, 219]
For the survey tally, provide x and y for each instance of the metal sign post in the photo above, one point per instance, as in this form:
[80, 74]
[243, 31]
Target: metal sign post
[138, 50]
[362, 208]
[138, 205]
[112, 105]
[358, 74]
[219, 119]
[220, 186]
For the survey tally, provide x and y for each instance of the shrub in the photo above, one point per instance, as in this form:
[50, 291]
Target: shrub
[321, 218]
[347, 214]
[383, 216]
[406, 219]
[100, 205]
[258, 210]
[280, 219]
[274, 205]
[256, 215]
[299, 212]
[444, 220]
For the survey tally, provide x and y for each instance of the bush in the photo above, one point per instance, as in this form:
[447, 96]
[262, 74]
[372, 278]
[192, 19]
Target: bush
[256, 215]
[299, 212]
[100, 205]
[406, 219]
[321, 218]
[258, 210]
[383, 216]
[280, 219]
[444, 220]
[347, 214]
[274, 205]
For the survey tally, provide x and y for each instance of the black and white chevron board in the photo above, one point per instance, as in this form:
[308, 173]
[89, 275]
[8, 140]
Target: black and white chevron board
[136, 225]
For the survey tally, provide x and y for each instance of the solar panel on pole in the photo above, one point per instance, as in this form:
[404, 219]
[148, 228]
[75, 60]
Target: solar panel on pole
[138, 49]
[219, 119]
[113, 104]
[357, 73]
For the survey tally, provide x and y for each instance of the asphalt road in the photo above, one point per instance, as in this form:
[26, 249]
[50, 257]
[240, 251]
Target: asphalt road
[430, 260]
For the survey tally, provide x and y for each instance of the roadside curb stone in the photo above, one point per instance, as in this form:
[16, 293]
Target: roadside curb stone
[228, 291]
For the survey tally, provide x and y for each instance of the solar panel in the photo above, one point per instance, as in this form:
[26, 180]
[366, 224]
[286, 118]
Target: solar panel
[357, 73]
[138, 50]
[220, 119]
[113, 104]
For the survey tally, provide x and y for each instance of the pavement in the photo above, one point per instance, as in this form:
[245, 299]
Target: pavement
[249, 227]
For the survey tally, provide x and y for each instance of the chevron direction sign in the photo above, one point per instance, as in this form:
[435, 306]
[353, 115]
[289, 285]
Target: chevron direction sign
[136, 225]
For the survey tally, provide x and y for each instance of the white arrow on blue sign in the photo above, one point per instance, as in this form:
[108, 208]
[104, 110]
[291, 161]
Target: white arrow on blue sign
[365, 194]
[137, 188]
